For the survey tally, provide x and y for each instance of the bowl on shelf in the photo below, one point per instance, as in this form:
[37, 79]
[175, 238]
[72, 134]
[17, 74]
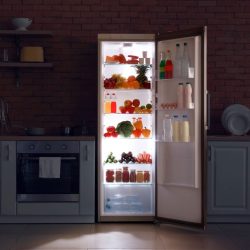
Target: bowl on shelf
[21, 23]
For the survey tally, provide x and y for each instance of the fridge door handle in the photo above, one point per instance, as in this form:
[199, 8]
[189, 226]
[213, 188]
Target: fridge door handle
[208, 110]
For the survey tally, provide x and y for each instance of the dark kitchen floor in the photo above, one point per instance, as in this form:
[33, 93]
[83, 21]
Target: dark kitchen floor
[123, 236]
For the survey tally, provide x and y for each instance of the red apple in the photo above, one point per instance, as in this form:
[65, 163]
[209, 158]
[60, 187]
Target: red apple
[131, 109]
[136, 102]
[127, 103]
[122, 109]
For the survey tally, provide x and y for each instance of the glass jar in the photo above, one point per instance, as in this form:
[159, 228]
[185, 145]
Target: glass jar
[110, 175]
[132, 176]
[139, 176]
[118, 175]
[146, 176]
[125, 174]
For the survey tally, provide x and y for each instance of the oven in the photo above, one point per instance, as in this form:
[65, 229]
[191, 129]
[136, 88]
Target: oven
[34, 186]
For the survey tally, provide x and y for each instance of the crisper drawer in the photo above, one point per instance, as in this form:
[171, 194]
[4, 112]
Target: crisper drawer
[128, 199]
[39, 208]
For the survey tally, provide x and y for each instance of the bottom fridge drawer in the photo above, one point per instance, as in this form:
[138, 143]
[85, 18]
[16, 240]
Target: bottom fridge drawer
[128, 199]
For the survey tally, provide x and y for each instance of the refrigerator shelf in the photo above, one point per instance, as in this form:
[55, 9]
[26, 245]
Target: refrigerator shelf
[175, 79]
[128, 90]
[127, 114]
[123, 138]
[174, 110]
[127, 183]
[125, 64]
[136, 165]
[173, 142]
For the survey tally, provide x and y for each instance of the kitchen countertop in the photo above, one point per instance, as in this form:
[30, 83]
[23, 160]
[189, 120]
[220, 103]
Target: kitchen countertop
[46, 138]
[228, 138]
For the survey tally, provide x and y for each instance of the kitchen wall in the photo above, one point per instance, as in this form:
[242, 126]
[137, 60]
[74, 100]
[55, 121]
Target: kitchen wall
[67, 94]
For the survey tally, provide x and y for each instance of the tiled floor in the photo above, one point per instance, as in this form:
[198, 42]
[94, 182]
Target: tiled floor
[123, 236]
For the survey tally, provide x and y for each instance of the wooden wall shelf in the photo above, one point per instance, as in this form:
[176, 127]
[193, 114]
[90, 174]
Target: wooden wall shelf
[25, 65]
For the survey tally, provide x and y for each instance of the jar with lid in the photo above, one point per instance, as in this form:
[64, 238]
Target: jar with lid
[132, 176]
[118, 175]
[125, 174]
[139, 176]
[146, 176]
[110, 175]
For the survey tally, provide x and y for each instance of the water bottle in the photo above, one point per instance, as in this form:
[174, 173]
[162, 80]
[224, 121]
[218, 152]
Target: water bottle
[167, 128]
[176, 128]
[180, 96]
[177, 62]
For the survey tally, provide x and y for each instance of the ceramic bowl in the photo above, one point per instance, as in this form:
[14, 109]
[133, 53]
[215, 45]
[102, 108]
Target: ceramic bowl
[21, 23]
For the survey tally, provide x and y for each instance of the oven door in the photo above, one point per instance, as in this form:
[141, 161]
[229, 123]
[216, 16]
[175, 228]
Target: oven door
[32, 188]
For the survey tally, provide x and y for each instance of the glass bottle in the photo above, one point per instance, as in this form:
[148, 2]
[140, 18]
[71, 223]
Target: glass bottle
[107, 104]
[168, 66]
[162, 66]
[118, 175]
[185, 62]
[177, 62]
[132, 176]
[139, 176]
[146, 176]
[125, 174]
[113, 103]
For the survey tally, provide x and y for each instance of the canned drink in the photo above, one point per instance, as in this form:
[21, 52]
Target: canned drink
[141, 60]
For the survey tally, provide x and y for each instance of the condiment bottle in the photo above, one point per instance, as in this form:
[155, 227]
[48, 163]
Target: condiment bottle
[146, 176]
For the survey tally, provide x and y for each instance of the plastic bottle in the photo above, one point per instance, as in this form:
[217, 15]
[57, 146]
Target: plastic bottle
[184, 129]
[162, 66]
[107, 104]
[180, 96]
[113, 103]
[169, 66]
[185, 62]
[176, 128]
[167, 128]
[177, 62]
[188, 96]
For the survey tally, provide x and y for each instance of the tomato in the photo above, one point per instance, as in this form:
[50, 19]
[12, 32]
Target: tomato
[111, 129]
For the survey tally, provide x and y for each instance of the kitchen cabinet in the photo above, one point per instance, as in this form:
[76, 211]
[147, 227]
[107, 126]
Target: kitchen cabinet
[228, 181]
[80, 211]
[18, 35]
[8, 177]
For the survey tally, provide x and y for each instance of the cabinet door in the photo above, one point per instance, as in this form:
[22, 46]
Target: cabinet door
[87, 178]
[228, 176]
[8, 177]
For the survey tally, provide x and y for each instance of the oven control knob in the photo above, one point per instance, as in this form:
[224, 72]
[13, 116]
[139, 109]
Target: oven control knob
[31, 146]
[47, 147]
[64, 147]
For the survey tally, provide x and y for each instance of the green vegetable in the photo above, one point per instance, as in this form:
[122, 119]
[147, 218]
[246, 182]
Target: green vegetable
[125, 128]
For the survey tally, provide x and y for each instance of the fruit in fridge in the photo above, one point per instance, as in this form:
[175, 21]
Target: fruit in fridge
[125, 128]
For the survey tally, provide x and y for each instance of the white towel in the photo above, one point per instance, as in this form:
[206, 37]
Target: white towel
[49, 167]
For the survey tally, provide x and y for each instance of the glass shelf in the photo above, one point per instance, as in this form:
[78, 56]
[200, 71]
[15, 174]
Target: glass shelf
[128, 114]
[173, 142]
[174, 110]
[125, 138]
[127, 183]
[175, 79]
[125, 64]
[119, 165]
[127, 90]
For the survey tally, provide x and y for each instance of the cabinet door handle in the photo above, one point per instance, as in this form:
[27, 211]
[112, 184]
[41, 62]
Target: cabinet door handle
[86, 152]
[7, 152]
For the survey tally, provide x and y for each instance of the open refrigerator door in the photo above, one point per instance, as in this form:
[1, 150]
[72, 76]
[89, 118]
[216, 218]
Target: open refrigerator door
[180, 129]
[126, 160]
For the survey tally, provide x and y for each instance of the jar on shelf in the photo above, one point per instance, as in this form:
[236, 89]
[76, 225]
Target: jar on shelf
[125, 174]
[146, 176]
[118, 175]
[132, 176]
[110, 175]
[139, 176]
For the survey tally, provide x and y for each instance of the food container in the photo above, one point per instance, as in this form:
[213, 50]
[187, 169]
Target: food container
[32, 54]
[125, 174]
[132, 176]
[139, 176]
[110, 175]
[118, 175]
[146, 176]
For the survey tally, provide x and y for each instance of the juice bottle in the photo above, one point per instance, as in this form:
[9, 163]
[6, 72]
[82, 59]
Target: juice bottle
[162, 66]
[113, 103]
[184, 129]
[168, 66]
[107, 104]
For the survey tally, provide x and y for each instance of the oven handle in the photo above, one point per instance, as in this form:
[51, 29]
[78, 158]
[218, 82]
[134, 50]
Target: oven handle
[37, 158]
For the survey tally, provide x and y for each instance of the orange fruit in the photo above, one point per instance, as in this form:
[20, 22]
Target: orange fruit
[131, 78]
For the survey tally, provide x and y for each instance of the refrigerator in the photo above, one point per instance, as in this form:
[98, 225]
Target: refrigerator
[144, 175]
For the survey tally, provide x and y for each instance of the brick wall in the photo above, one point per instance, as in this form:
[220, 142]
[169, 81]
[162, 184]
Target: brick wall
[67, 94]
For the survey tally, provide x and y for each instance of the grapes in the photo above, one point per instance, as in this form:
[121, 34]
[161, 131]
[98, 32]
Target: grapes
[127, 158]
